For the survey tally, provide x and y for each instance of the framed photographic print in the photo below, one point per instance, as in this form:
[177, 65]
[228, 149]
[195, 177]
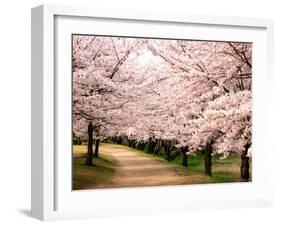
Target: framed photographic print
[136, 113]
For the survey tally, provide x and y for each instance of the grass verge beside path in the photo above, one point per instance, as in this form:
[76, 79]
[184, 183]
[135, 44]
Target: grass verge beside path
[107, 167]
[88, 176]
[224, 170]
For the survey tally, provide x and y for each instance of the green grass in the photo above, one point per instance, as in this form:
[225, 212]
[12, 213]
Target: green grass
[90, 176]
[223, 170]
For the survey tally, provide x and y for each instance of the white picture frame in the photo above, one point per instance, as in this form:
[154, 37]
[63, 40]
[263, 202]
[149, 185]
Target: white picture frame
[51, 197]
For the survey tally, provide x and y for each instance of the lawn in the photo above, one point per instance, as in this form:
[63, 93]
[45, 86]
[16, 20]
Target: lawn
[102, 174]
[223, 170]
[91, 176]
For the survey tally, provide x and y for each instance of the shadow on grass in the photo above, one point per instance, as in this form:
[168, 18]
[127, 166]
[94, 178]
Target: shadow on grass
[89, 176]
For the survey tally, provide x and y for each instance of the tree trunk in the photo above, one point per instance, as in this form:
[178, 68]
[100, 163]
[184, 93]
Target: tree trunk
[119, 140]
[174, 154]
[142, 145]
[245, 165]
[130, 143]
[133, 143]
[157, 148]
[89, 160]
[124, 140]
[184, 157]
[167, 151]
[150, 145]
[208, 158]
[97, 145]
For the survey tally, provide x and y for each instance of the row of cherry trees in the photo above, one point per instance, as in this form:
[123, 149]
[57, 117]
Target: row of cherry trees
[175, 96]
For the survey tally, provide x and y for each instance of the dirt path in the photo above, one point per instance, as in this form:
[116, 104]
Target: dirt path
[137, 169]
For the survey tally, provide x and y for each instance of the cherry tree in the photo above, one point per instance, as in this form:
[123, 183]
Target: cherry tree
[179, 96]
[97, 95]
[212, 70]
